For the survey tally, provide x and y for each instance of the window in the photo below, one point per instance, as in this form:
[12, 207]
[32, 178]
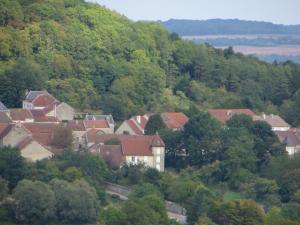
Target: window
[158, 159]
[132, 158]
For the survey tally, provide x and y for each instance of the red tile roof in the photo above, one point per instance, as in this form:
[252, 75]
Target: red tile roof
[174, 120]
[38, 128]
[111, 154]
[135, 145]
[290, 137]
[43, 100]
[76, 125]
[223, 115]
[96, 124]
[20, 114]
[143, 120]
[40, 116]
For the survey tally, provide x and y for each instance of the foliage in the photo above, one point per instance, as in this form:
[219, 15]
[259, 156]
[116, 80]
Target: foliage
[12, 166]
[62, 137]
[154, 124]
[77, 202]
[34, 202]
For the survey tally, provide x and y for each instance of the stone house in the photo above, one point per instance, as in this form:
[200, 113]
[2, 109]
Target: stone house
[32, 139]
[49, 107]
[133, 149]
[78, 131]
[134, 126]
[291, 138]
[103, 123]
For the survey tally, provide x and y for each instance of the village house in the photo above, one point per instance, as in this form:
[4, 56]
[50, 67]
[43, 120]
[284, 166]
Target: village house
[103, 123]
[32, 139]
[78, 131]
[44, 105]
[133, 149]
[276, 122]
[134, 126]
[174, 120]
[292, 140]
[223, 115]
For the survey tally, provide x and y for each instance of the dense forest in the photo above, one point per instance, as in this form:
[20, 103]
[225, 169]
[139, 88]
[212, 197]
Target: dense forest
[94, 58]
[227, 26]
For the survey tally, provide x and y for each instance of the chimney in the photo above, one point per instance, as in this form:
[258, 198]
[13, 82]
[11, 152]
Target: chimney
[138, 118]
[264, 116]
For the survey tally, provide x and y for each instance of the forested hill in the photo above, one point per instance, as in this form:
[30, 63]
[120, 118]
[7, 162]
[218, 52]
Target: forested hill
[92, 57]
[227, 27]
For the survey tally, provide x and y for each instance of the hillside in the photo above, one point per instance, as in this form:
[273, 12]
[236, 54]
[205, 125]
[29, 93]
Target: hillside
[94, 58]
[228, 26]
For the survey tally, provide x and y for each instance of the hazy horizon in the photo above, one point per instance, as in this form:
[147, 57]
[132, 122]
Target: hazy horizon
[280, 12]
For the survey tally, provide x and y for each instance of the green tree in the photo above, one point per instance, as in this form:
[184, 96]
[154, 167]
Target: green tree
[34, 203]
[154, 124]
[77, 202]
[202, 139]
[12, 166]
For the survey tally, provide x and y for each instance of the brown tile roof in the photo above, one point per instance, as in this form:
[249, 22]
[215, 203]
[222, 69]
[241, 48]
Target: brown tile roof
[20, 114]
[38, 128]
[174, 120]
[96, 124]
[40, 116]
[43, 100]
[76, 125]
[139, 145]
[223, 115]
[112, 154]
[272, 120]
[4, 118]
[290, 137]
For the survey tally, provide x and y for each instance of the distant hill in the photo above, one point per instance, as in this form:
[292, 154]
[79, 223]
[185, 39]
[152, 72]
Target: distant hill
[227, 27]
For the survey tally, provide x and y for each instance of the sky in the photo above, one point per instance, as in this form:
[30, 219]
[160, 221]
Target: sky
[276, 11]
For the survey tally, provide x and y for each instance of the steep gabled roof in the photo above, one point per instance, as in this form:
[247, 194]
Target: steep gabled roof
[223, 115]
[76, 125]
[43, 100]
[33, 94]
[4, 129]
[290, 137]
[174, 120]
[108, 118]
[40, 116]
[20, 114]
[132, 145]
[134, 127]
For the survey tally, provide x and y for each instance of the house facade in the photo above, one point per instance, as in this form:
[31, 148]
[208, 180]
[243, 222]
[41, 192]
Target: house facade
[291, 139]
[134, 149]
